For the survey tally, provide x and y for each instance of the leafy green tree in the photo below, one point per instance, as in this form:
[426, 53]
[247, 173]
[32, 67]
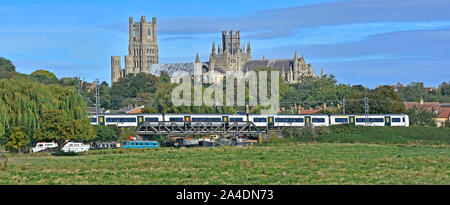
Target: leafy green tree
[414, 91]
[7, 68]
[56, 126]
[22, 104]
[44, 76]
[421, 117]
[314, 92]
[381, 100]
[16, 141]
[106, 133]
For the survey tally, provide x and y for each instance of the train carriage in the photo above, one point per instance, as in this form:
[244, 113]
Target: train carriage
[208, 119]
[289, 120]
[261, 120]
[177, 119]
[134, 120]
[149, 118]
[319, 120]
[373, 120]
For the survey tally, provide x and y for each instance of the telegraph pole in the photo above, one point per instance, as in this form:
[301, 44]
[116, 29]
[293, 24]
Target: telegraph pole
[366, 109]
[97, 96]
[343, 105]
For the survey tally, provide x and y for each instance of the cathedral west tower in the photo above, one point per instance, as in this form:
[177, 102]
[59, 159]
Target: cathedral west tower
[142, 50]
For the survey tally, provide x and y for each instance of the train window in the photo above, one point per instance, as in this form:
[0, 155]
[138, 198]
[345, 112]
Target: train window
[288, 119]
[281, 119]
[318, 120]
[201, 119]
[93, 119]
[403, 119]
[259, 119]
[360, 119]
[341, 119]
[110, 119]
[396, 120]
[234, 119]
[297, 119]
[176, 119]
[151, 119]
[376, 119]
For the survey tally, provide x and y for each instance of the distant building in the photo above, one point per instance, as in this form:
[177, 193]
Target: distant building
[442, 111]
[130, 109]
[395, 87]
[310, 111]
[142, 50]
[93, 111]
[231, 56]
[430, 89]
[443, 116]
[429, 106]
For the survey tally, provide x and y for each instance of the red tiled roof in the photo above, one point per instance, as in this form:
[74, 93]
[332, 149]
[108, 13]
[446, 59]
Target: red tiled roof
[430, 106]
[444, 113]
[309, 111]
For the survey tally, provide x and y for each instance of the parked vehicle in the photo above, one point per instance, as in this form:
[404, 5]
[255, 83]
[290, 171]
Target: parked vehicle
[43, 146]
[75, 147]
[140, 144]
[105, 145]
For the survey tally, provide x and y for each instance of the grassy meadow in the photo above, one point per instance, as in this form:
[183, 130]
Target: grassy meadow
[272, 163]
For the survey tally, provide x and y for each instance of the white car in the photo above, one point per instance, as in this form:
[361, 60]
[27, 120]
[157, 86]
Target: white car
[43, 146]
[75, 147]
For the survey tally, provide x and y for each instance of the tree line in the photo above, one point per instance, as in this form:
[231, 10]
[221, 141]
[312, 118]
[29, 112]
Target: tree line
[40, 106]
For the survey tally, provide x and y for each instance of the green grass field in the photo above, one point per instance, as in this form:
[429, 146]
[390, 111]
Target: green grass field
[282, 163]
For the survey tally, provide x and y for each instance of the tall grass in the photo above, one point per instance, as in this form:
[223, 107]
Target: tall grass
[321, 163]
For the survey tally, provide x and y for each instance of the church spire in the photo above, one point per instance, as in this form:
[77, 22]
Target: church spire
[197, 59]
[249, 50]
[213, 50]
[295, 56]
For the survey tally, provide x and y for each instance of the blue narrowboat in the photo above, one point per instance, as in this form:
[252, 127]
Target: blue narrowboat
[140, 144]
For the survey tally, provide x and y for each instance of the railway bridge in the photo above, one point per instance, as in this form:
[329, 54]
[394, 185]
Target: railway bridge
[198, 127]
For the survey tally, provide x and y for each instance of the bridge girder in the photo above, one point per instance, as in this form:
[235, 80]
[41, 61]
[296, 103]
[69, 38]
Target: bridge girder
[198, 127]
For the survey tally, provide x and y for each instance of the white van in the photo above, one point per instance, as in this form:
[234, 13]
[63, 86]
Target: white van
[43, 146]
[75, 147]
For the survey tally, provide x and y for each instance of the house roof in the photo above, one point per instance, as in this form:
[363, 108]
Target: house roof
[444, 113]
[130, 109]
[430, 106]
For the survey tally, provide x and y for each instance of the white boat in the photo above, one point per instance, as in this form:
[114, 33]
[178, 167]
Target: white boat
[43, 146]
[75, 147]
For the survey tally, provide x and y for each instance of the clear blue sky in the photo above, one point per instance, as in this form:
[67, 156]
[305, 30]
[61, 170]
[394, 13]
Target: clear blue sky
[365, 42]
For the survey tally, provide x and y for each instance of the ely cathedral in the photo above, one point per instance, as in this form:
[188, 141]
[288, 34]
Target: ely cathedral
[142, 50]
[230, 55]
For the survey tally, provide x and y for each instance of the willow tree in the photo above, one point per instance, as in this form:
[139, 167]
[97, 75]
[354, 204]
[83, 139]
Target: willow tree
[24, 103]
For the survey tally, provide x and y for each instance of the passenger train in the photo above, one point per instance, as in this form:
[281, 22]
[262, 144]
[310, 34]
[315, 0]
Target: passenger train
[278, 120]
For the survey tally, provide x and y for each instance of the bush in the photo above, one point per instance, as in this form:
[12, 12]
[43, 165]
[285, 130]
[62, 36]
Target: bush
[384, 135]
[305, 134]
[67, 153]
[106, 133]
